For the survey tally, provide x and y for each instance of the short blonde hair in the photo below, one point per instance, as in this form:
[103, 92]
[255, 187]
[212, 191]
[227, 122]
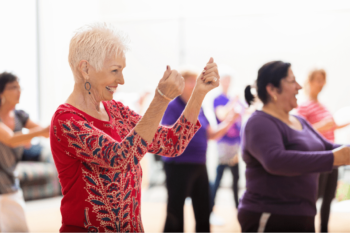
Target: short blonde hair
[316, 71]
[188, 73]
[94, 43]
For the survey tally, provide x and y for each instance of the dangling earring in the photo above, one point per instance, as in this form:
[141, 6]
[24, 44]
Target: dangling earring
[87, 88]
[275, 98]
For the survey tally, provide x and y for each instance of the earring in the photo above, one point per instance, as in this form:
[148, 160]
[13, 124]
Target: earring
[87, 88]
[275, 98]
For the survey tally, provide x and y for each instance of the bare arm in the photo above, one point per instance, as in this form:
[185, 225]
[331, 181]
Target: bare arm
[324, 125]
[327, 124]
[149, 123]
[31, 124]
[342, 126]
[223, 127]
[222, 111]
[9, 138]
[171, 85]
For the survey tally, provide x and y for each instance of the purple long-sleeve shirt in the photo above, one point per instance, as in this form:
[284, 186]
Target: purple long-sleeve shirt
[283, 165]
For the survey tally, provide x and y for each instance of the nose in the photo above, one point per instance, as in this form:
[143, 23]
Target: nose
[299, 86]
[121, 80]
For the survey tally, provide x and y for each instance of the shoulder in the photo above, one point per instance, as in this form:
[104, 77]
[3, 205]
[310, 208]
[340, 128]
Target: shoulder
[66, 112]
[261, 121]
[22, 115]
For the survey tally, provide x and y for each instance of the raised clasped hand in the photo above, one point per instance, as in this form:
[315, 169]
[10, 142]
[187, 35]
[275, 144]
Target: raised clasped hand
[209, 78]
[172, 84]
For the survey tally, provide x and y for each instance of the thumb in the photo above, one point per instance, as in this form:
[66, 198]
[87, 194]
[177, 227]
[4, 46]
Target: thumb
[211, 60]
[167, 73]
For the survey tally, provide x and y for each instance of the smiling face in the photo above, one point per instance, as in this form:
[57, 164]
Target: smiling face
[104, 83]
[11, 93]
[286, 97]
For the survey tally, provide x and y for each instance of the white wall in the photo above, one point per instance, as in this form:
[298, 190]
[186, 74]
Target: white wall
[58, 21]
[18, 49]
[241, 35]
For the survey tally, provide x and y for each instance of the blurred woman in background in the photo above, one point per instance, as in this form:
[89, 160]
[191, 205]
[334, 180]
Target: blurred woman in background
[322, 121]
[284, 155]
[186, 175]
[12, 140]
[228, 145]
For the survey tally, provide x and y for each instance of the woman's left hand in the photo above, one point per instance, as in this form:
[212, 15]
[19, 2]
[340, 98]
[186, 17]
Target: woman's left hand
[208, 79]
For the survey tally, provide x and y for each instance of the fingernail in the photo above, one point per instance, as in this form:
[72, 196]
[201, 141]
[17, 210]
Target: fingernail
[167, 67]
[202, 78]
[204, 72]
[205, 68]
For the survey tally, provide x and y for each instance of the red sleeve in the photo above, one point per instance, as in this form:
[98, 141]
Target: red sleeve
[80, 139]
[172, 141]
[168, 141]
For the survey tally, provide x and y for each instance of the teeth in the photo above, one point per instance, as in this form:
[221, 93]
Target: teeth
[111, 88]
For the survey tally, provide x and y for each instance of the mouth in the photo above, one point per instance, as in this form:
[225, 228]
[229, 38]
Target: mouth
[111, 89]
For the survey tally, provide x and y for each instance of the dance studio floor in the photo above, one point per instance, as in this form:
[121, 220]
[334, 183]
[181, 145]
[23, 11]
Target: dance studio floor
[44, 215]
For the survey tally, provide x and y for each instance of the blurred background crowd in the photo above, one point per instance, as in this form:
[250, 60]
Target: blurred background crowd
[312, 35]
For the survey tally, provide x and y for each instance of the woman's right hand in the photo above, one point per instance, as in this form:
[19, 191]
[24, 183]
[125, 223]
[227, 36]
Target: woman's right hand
[172, 84]
[341, 156]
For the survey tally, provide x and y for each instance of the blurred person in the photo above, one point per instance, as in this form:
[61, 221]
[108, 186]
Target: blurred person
[186, 175]
[284, 156]
[97, 143]
[322, 121]
[228, 145]
[12, 142]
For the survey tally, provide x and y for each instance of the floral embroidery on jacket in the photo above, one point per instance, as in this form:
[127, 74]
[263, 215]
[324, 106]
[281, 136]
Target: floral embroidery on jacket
[111, 169]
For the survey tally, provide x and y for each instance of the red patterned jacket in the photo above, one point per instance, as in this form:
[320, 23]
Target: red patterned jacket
[98, 165]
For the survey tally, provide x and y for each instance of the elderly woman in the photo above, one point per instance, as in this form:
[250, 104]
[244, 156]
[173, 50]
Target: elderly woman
[12, 142]
[284, 156]
[97, 143]
[322, 121]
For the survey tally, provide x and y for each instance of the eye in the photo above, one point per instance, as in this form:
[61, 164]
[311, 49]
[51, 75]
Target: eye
[115, 71]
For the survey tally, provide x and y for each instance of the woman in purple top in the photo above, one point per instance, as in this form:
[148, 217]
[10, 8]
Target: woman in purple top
[186, 175]
[284, 156]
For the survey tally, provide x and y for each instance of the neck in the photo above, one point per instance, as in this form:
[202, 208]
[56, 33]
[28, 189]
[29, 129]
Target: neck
[185, 97]
[6, 109]
[313, 97]
[276, 111]
[81, 99]
[225, 92]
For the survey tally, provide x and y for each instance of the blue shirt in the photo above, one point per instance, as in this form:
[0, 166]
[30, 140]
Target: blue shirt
[197, 148]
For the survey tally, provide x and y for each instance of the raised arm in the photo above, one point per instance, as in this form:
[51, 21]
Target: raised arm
[171, 141]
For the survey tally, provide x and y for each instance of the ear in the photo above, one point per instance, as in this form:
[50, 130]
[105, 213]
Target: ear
[271, 90]
[83, 68]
